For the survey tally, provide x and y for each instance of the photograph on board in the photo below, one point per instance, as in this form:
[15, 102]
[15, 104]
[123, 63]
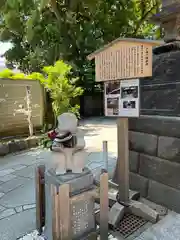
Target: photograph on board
[112, 106]
[112, 88]
[129, 104]
[129, 92]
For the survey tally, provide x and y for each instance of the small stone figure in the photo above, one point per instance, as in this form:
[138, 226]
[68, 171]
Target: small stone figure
[68, 146]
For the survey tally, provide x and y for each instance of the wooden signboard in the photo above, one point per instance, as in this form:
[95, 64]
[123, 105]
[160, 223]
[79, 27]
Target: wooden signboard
[124, 59]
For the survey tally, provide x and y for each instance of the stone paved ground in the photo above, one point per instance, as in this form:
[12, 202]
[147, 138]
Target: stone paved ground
[17, 190]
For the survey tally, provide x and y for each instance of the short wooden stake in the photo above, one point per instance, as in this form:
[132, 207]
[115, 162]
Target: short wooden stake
[40, 198]
[55, 213]
[105, 154]
[64, 212]
[104, 206]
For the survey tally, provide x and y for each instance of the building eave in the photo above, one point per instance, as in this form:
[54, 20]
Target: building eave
[152, 42]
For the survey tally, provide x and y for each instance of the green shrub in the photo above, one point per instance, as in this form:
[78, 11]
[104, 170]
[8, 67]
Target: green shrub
[56, 79]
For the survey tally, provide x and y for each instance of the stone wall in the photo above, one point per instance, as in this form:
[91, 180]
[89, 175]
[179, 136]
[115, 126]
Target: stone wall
[93, 105]
[13, 99]
[154, 144]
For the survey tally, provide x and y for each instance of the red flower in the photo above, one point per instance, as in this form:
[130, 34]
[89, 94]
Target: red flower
[52, 134]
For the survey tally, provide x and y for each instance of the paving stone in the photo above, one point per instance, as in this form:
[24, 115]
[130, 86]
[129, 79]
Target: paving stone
[6, 172]
[7, 213]
[94, 165]
[111, 169]
[15, 226]
[166, 229]
[98, 157]
[20, 196]
[7, 178]
[13, 184]
[19, 167]
[96, 173]
[1, 194]
[33, 236]
[19, 209]
[2, 208]
[26, 207]
[28, 172]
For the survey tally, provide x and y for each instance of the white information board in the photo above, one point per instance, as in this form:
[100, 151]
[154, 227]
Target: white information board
[122, 98]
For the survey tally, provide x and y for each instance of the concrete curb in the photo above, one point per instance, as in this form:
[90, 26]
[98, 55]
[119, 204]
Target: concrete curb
[19, 145]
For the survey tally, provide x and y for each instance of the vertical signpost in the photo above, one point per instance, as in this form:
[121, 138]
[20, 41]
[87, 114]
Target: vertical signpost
[120, 65]
[122, 100]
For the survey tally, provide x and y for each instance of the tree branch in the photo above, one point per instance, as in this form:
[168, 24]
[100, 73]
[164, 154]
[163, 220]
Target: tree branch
[144, 18]
[55, 9]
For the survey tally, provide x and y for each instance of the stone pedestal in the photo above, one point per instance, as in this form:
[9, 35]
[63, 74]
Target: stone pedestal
[81, 213]
[169, 19]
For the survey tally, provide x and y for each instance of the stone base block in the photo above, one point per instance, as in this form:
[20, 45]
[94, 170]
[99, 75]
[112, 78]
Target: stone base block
[164, 195]
[17, 146]
[138, 183]
[133, 161]
[143, 142]
[142, 210]
[4, 149]
[116, 213]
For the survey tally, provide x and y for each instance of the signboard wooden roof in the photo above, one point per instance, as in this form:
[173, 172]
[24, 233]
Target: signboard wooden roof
[124, 58]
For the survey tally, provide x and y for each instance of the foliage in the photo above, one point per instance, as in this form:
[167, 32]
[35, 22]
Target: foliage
[58, 81]
[44, 31]
[8, 73]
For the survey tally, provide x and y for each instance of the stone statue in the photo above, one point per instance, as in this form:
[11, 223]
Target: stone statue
[68, 146]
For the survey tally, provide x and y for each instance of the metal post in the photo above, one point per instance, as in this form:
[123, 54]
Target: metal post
[123, 159]
[105, 154]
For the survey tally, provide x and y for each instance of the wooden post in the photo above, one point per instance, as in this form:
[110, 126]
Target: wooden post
[55, 213]
[61, 213]
[105, 154]
[40, 198]
[64, 213]
[104, 206]
[123, 159]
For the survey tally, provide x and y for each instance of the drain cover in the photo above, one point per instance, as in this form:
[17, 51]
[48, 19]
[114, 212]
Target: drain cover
[129, 224]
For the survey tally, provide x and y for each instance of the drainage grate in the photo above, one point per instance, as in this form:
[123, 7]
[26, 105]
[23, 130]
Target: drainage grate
[129, 224]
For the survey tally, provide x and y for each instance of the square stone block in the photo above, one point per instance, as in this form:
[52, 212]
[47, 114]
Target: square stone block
[4, 149]
[133, 161]
[169, 148]
[160, 170]
[138, 183]
[143, 142]
[164, 195]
